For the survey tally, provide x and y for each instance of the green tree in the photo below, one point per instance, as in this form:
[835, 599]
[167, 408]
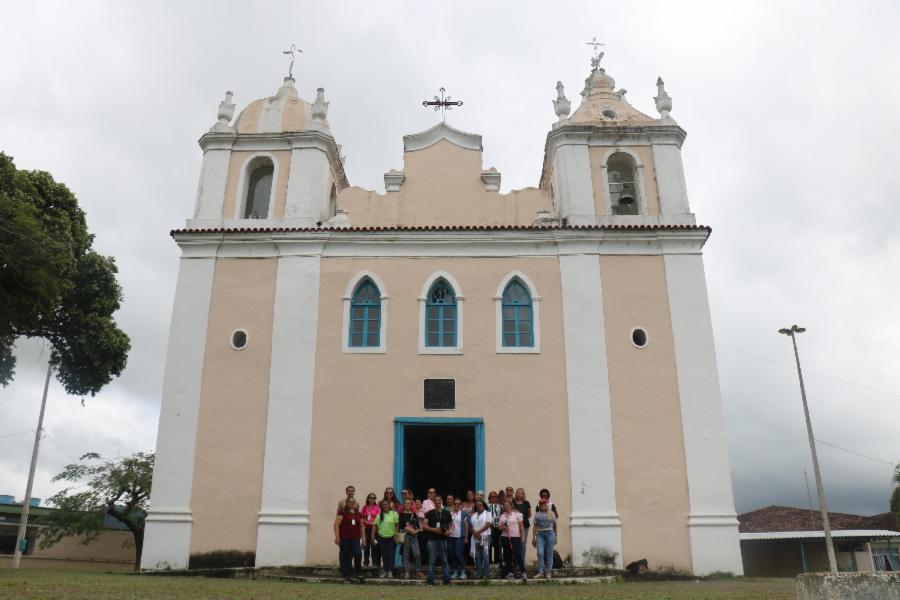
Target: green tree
[118, 488]
[53, 285]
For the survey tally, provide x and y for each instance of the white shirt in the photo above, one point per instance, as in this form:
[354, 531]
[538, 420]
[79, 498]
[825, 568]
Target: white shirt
[456, 527]
[480, 520]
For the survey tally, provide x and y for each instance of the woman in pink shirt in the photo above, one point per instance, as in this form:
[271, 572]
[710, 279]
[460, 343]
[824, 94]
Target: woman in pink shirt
[512, 528]
[369, 512]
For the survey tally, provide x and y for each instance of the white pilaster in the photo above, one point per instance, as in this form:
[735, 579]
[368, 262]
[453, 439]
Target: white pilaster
[284, 514]
[712, 522]
[572, 184]
[673, 199]
[594, 520]
[309, 186]
[167, 541]
[213, 176]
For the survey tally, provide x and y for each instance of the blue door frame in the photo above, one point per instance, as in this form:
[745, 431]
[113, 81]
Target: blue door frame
[400, 425]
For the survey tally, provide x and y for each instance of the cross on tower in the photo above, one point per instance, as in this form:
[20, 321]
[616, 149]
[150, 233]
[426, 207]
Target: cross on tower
[598, 56]
[443, 104]
[292, 50]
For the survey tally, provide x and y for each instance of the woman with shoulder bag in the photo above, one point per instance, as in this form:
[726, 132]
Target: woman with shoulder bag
[409, 531]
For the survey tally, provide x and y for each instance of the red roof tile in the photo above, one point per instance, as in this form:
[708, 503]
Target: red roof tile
[788, 518]
[445, 228]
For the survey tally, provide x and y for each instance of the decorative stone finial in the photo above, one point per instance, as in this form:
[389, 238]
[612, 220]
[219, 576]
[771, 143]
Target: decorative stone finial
[663, 100]
[287, 89]
[225, 114]
[320, 107]
[561, 105]
[226, 109]
[621, 94]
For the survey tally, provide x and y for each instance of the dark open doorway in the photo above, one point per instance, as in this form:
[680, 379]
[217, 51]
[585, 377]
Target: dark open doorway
[443, 457]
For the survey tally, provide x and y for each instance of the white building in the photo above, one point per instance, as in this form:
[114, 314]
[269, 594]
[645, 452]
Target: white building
[442, 333]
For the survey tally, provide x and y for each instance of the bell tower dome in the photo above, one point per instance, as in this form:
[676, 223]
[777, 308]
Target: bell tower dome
[609, 163]
[277, 165]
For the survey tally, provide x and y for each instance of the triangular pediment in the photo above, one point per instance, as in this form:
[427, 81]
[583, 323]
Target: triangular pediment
[441, 131]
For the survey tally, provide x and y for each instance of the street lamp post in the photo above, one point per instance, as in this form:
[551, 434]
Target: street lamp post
[26, 503]
[829, 544]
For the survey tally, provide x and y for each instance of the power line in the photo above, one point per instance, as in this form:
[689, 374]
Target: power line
[809, 371]
[61, 449]
[855, 453]
[9, 435]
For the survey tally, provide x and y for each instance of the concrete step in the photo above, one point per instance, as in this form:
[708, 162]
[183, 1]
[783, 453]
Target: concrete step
[332, 572]
[422, 582]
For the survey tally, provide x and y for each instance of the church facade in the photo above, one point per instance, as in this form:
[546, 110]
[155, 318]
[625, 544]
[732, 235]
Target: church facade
[442, 334]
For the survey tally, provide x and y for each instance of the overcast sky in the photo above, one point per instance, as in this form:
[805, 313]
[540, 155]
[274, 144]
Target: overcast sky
[792, 111]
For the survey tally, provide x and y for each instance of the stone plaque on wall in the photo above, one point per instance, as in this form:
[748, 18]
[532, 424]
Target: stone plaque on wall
[440, 394]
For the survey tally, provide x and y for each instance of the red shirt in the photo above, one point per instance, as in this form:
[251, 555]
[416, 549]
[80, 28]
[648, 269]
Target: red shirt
[349, 527]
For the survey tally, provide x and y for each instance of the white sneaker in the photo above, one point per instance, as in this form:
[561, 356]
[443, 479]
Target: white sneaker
[548, 576]
[462, 575]
[510, 576]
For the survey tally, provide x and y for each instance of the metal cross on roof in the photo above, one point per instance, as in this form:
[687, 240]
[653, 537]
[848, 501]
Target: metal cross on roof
[292, 50]
[444, 103]
[598, 56]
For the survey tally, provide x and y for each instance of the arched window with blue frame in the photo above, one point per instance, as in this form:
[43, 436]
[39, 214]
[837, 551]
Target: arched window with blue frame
[440, 316]
[517, 315]
[365, 315]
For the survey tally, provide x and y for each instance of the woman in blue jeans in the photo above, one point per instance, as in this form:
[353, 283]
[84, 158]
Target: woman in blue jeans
[386, 529]
[480, 538]
[349, 531]
[457, 540]
[544, 538]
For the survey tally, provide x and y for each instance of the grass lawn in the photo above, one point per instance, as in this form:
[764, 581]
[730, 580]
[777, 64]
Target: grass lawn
[60, 585]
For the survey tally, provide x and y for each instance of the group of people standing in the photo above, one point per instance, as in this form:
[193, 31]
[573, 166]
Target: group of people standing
[453, 534]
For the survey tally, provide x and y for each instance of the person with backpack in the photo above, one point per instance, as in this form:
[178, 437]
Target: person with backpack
[386, 524]
[544, 538]
[349, 530]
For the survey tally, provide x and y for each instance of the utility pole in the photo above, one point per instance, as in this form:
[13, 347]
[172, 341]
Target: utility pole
[826, 526]
[23, 522]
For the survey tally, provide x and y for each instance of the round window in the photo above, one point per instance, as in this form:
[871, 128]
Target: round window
[239, 339]
[610, 114]
[639, 337]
